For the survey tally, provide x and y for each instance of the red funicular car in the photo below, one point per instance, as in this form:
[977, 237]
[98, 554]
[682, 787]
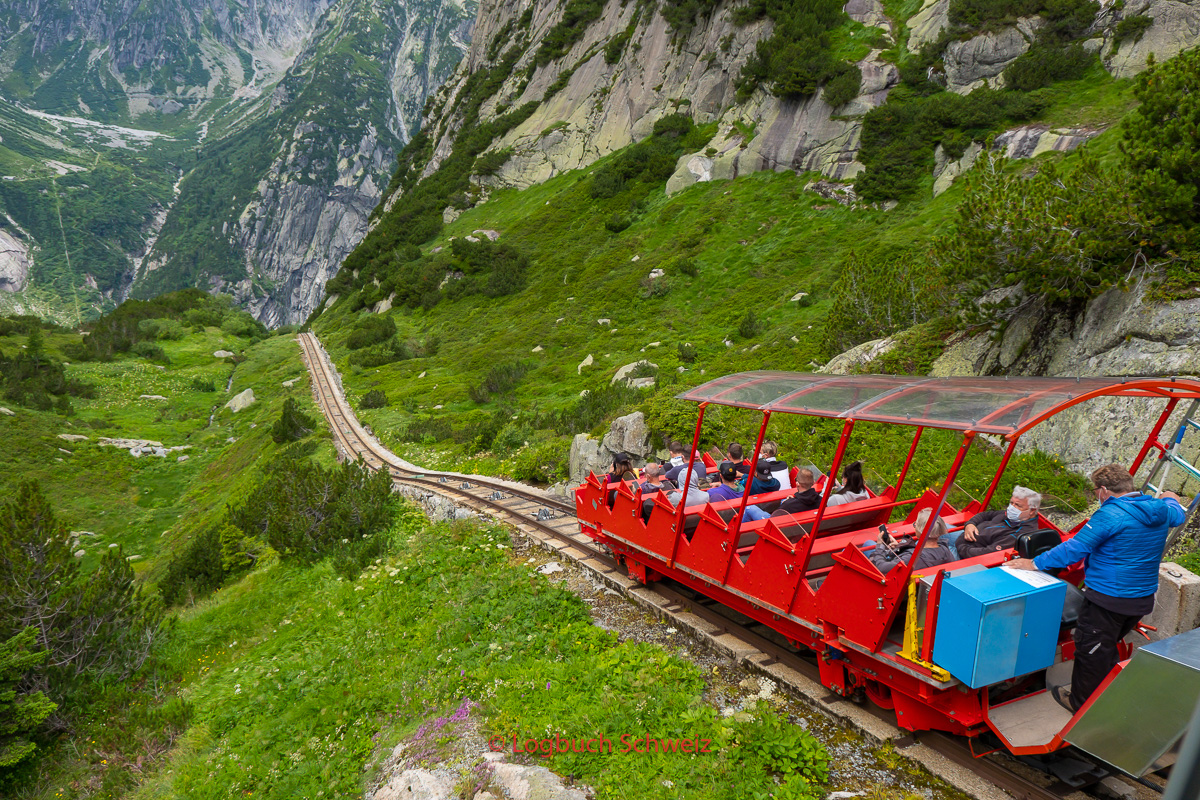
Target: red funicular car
[963, 647]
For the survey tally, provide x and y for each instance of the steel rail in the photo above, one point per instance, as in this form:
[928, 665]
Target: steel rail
[353, 441]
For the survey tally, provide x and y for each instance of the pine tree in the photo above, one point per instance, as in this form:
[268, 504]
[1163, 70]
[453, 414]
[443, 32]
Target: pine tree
[94, 626]
[292, 425]
[21, 712]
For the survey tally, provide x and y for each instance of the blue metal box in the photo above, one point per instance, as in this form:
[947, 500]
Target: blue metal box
[996, 624]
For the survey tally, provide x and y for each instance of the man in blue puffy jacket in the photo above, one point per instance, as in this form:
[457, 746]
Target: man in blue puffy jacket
[1123, 543]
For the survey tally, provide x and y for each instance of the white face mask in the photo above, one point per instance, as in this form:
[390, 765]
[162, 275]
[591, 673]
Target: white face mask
[1013, 513]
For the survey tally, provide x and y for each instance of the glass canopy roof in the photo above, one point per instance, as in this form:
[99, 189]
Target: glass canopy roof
[1002, 406]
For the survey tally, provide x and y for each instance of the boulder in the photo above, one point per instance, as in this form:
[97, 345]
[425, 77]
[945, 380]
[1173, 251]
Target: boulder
[945, 170]
[151, 397]
[181, 459]
[625, 372]
[858, 355]
[586, 456]
[80, 553]
[537, 349]
[7, 412]
[587, 362]
[128, 444]
[628, 434]
[869, 13]
[418, 784]
[532, 783]
[290, 384]
[222, 354]
[72, 437]
[1176, 603]
[240, 401]
[490, 234]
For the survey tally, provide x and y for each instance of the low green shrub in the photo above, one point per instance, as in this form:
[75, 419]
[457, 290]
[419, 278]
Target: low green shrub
[150, 352]
[750, 325]
[617, 222]
[203, 385]
[377, 355]
[1043, 65]
[490, 162]
[373, 399]
[371, 329]
[1132, 28]
[658, 286]
[843, 85]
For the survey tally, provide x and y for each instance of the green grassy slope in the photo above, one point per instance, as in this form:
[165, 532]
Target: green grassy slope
[151, 505]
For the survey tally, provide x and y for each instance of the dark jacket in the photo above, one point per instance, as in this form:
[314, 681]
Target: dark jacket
[648, 490]
[801, 501]
[1123, 544]
[760, 486]
[885, 559]
[995, 533]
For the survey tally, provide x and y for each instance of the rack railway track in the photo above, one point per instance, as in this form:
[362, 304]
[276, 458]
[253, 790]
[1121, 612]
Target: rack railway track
[553, 522]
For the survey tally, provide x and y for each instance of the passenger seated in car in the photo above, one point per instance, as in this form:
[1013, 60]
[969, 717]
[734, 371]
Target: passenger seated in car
[764, 481]
[889, 551]
[992, 531]
[678, 453]
[676, 474]
[735, 456]
[769, 452]
[806, 497]
[655, 480]
[695, 497]
[853, 486]
[728, 491]
[622, 469]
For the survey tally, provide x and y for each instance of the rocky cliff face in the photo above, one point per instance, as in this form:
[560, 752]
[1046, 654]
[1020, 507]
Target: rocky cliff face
[296, 231]
[14, 262]
[1122, 333]
[589, 107]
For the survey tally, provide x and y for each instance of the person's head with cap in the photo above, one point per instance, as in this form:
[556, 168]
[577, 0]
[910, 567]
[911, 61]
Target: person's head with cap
[762, 470]
[729, 473]
[622, 465]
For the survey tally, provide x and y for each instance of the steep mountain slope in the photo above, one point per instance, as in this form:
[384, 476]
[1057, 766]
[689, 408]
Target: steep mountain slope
[269, 212]
[528, 256]
[275, 165]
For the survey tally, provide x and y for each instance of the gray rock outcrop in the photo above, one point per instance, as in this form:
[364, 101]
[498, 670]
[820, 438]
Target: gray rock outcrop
[984, 57]
[1175, 28]
[14, 262]
[1118, 334]
[604, 107]
[926, 25]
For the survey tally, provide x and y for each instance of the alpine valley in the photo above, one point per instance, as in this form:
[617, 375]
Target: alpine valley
[234, 146]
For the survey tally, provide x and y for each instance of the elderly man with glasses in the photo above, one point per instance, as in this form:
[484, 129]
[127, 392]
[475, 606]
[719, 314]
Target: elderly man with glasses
[1123, 543]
